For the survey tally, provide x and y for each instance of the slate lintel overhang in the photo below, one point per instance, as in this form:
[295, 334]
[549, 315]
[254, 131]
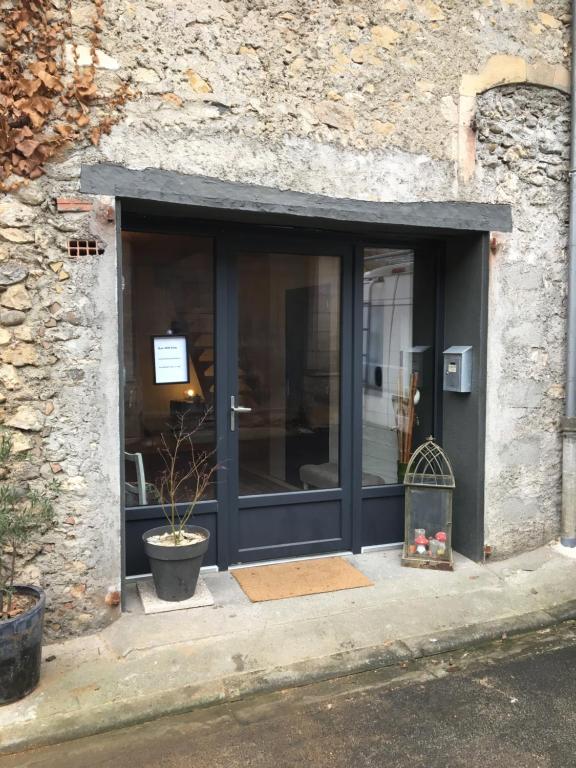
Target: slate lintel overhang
[208, 198]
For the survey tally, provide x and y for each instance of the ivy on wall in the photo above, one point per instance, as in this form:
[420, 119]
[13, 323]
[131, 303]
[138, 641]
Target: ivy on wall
[47, 100]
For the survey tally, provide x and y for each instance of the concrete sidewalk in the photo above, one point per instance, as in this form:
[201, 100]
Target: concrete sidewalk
[146, 666]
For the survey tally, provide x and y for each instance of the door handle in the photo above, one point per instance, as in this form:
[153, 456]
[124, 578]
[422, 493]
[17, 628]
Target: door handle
[234, 409]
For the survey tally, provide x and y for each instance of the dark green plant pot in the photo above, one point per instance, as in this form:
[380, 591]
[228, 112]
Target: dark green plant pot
[401, 470]
[21, 648]
[175, 570]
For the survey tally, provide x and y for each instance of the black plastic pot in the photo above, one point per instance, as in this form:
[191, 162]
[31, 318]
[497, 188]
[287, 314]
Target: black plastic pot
[21, 649]
[175, 569]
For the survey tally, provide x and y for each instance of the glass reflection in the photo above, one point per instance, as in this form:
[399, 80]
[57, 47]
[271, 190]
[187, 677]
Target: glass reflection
[168, 293]
[288, 372]
[393, 366]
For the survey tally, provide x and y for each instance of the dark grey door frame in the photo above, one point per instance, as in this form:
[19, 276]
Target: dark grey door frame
[431, 250]
[352, 405]
[228, 296]
[466, 322]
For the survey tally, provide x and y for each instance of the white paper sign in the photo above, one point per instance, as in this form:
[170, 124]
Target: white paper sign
[170, 360]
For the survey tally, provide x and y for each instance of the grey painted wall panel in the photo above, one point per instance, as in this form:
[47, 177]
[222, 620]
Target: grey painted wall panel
[466, 312]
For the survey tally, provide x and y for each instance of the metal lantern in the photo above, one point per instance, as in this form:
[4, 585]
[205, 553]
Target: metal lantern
[429, 483]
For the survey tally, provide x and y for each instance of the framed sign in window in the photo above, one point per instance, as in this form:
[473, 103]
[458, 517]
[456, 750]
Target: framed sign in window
[170, 360]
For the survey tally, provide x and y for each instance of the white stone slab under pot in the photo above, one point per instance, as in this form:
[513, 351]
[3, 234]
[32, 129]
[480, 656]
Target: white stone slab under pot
[151, 603]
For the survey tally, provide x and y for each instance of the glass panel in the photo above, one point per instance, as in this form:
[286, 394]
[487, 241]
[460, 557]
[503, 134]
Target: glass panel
[397, 362]
[168, 292]
[288, 372]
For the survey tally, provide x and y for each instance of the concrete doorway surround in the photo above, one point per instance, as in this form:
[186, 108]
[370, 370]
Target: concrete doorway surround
[461, 231]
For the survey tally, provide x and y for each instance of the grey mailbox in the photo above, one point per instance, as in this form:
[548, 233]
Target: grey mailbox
[458, 369]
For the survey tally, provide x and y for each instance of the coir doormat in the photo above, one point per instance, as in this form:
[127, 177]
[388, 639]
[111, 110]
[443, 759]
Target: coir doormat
[305, 577]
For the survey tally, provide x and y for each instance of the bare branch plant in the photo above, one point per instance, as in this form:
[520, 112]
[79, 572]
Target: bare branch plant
[186, 469]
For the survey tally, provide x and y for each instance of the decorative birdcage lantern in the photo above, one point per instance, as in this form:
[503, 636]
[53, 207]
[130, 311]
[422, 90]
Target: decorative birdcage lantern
[429, 483]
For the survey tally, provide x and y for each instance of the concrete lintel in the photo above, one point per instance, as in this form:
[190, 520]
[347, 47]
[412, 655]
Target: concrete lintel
[205, 193]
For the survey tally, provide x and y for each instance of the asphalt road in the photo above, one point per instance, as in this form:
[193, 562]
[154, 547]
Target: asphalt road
[512, 704]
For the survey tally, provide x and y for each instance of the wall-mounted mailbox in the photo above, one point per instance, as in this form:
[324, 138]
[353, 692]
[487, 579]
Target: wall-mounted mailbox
[458, 369]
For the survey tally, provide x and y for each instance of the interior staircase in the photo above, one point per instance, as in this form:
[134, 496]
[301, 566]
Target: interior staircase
[200, 336]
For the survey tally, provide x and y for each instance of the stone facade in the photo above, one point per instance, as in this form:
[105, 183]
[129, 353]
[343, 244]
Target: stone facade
[368, 100]
[523, 155]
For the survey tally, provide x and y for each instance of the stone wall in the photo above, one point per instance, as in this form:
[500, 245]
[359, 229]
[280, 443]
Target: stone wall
[58, 378]
[355, 100]
[523, 155]
[276, 91]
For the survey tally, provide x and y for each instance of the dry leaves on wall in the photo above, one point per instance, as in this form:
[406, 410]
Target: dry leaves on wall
[46, 100]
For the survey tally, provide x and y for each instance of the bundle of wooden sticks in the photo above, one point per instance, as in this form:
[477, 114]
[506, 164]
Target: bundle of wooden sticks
[405, 415]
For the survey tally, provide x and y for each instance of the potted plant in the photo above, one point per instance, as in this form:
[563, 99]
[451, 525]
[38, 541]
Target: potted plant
[24, 513]
[176, 550]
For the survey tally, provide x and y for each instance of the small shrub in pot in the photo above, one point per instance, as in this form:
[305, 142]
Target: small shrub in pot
[25, 513]
[176, 550]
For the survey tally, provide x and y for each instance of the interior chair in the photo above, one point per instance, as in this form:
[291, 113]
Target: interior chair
[136, 492]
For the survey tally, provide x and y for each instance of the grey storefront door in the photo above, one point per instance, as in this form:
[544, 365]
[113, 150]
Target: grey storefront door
[323, 321]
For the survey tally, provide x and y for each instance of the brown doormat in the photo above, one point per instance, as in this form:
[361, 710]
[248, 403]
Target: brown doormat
[305, 577]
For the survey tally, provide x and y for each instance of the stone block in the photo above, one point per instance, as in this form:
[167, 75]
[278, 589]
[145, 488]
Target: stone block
[15, 235]
[15, 214]
[498, 70]
[549, 75]
[24, 333]
[197, 83]
[429, 10]
[31, 194]
[556, 392]
[11, 317]
[335, 115]
[365, 53]
[144, 75]
[12, 272]
[525, 5]
[82, 15]
[16, 297]
[549, 21]
[20, 443]
[9, 377]
[383, 129]
[26, 418]
[20, 355]
[384, 36]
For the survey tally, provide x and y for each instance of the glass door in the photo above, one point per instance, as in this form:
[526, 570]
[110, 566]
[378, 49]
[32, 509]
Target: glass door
[310, 363]
[398, 397]
[286, 403]
[169, 377]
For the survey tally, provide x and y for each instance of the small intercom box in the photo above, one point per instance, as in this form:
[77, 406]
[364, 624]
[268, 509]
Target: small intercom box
[420, 364]
[458, 369]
